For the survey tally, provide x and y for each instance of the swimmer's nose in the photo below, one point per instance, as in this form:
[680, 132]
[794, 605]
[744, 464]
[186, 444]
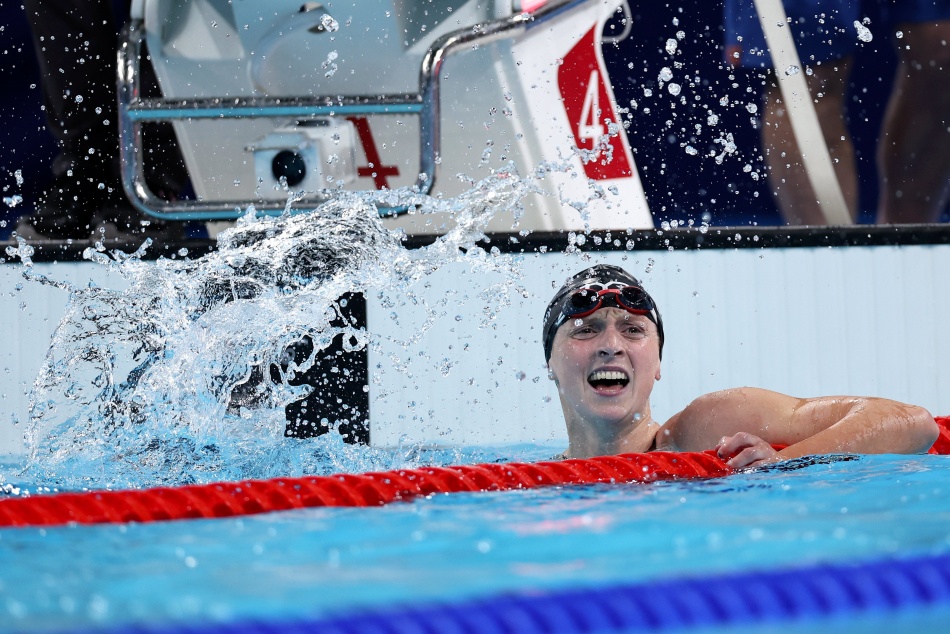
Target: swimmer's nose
[610, 344]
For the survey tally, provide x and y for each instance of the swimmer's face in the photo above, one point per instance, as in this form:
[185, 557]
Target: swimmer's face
[605, 366]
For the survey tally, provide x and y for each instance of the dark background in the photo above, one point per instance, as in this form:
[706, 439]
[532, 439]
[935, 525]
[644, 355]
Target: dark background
[678, 186]
[24, 143]
[689, 184]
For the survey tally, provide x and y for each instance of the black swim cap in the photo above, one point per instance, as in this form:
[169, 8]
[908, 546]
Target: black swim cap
[604, 274]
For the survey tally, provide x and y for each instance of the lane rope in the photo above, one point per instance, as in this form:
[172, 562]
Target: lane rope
[942, 444]
[229, 499]
[816, 593]
[249, 497]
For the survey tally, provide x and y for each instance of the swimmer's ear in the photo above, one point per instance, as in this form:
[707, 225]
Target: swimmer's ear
[552, 376]
[657, 373]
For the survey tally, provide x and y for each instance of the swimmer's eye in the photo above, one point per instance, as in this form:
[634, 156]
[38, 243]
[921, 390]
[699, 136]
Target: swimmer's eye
[584, 330]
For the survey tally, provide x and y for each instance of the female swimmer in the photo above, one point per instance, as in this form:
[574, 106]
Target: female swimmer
[603, 342]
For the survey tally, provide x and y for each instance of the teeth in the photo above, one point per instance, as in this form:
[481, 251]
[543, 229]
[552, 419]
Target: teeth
[602, 375]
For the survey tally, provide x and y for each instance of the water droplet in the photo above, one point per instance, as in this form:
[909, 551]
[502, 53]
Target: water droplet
[864, 33]
[792, 70]
[329, 23]
[671, 45]
[445, 366]
[329, 64]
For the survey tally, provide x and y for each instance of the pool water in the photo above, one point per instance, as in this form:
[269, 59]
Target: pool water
[318, 562]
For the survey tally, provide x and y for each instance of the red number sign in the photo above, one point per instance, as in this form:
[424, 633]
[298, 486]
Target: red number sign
[590, 109]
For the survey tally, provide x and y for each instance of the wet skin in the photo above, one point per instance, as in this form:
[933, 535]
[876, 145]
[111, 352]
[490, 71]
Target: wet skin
[605, 366]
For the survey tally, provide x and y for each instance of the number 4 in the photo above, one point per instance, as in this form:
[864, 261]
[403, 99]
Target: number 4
[590, 129]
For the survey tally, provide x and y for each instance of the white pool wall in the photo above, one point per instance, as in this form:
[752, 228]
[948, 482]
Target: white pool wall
[805, 321]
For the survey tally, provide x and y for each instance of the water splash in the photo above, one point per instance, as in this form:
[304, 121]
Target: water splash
[139, 386]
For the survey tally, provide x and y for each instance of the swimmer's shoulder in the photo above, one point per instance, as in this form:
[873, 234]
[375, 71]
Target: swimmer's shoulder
[707, 418]
[669, 433]
[684, 429]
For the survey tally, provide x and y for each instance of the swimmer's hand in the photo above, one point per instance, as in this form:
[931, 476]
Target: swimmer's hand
[746, 450]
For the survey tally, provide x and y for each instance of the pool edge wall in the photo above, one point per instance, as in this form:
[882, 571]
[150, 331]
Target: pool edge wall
[857, 311]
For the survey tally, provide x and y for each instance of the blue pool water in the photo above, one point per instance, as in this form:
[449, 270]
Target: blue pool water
[317, 562]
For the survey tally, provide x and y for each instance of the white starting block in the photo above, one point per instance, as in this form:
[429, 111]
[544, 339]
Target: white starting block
[268, 98]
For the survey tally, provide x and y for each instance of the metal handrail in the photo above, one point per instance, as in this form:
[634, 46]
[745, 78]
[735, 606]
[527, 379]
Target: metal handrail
[134, 110]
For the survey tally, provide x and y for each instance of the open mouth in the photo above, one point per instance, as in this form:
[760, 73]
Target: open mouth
[606, 379]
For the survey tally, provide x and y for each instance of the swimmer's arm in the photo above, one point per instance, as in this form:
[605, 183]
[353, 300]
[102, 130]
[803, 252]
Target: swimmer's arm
[859, 425]
[835, 424]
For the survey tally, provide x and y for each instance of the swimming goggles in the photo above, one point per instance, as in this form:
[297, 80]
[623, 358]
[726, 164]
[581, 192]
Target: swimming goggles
[590, 299]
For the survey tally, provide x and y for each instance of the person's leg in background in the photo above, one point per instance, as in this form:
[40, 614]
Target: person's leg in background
[914, 145]
[823, 33]
[796, 199]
